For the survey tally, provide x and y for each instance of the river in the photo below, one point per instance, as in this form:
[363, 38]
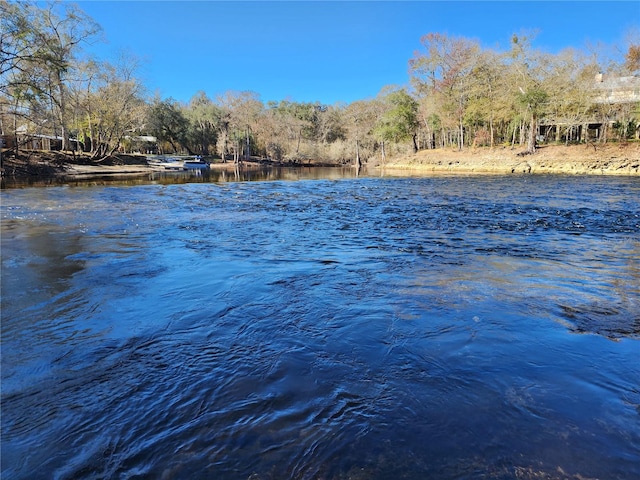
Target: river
[361, 328]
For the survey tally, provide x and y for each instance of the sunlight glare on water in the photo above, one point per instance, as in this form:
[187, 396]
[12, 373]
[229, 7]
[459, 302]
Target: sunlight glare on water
[358, 328]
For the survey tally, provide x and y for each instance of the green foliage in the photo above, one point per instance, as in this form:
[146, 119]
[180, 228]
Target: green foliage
[166, 121]
[400, 121]
[305, 115]
[533, 99]
[626, 130]
[203, 117]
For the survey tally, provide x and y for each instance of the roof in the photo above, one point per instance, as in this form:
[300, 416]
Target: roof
[617, 89]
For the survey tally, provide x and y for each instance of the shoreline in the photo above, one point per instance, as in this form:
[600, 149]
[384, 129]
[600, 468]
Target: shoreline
[609, 159]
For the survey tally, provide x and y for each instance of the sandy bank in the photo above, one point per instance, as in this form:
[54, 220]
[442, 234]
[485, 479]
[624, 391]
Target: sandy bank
[611, 159]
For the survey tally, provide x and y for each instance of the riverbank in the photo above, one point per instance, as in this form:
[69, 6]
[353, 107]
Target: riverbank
[610, 159]
[49, 164]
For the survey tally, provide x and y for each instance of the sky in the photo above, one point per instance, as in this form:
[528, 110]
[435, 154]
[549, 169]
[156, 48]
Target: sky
[326, 51]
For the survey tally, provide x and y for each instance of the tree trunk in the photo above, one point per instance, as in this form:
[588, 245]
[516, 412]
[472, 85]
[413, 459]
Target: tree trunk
[533, 127]
[522, 133]
[248, 153]
[358, 161]
[113, 150]
[62, 106]
[224, 147]
[15, 130]
[491, 132]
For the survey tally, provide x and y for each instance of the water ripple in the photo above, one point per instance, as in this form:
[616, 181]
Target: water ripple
[362, 328]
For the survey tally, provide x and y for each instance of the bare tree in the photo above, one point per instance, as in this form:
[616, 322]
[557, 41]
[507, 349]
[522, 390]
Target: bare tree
[527, 74]
[360, 116]
[443, 71]
[240, 112]
[40, 50]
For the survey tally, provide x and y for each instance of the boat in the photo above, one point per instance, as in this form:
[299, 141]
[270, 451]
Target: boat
[166, 163]
[197, 164]
[177, 163]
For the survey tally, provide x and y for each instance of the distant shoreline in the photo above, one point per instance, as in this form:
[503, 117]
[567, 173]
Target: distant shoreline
[609, 159]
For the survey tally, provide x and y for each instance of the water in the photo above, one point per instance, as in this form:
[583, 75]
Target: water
[244, 173]
[366, 328]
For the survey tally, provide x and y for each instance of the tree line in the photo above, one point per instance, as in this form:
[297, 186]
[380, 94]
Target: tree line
[460, 95]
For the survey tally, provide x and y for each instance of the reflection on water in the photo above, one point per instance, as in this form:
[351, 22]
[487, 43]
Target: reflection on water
[361, 328]
[239, 173]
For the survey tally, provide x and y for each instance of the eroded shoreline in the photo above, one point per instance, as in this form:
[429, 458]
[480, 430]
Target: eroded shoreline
[613, 159]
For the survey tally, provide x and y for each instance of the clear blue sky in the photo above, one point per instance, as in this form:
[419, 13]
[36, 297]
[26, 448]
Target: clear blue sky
[327, 51]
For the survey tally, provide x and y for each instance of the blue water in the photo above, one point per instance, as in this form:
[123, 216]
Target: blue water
[364, 328]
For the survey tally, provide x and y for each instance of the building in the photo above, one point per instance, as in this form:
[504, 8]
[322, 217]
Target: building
[617, 90]
[37, 142]
[616, 104]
